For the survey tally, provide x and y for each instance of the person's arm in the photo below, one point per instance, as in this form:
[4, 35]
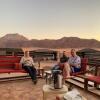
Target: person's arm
[32, 62]
[22, 61]
[70, 62]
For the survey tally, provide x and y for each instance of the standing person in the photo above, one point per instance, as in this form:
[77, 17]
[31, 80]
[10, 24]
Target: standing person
[28, 65]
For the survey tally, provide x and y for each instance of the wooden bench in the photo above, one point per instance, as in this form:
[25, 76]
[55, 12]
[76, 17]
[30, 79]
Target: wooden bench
[10, 64]
[92, 78]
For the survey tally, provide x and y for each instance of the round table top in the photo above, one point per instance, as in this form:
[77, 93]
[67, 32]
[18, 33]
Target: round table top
[48, 88]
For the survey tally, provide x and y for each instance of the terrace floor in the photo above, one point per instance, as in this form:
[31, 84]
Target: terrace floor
[26, 90]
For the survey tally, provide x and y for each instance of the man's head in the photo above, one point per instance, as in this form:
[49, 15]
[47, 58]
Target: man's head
[64, 53]
[26, 53]
[73, 52]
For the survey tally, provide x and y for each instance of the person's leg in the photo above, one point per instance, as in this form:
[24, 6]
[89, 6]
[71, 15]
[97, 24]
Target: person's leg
[34, 73]
[66, 70]
[30, 72]
[76, 69]
[25, 68]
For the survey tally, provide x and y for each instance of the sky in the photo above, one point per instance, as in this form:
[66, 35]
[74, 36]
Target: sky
[52, 19]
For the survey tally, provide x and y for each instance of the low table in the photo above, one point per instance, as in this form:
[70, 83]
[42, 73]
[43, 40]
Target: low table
[48, 73]
[40, 72]
[47, 90]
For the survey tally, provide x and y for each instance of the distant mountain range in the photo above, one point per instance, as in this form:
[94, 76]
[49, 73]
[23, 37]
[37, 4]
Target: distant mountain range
[17, 40]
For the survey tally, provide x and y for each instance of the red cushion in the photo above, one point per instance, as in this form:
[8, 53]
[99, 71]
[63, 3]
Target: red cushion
[6, 70]
[17, 66]
[8, 61]
[4, 65]
[94, 79]
[84, 62]
[22, 71]
[77, 73]
[11, 71]
[10, 64]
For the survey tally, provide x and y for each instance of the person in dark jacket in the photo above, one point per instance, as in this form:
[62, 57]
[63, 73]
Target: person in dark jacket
[64, 58]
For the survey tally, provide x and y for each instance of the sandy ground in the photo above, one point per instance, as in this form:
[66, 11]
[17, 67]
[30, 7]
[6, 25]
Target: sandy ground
[26, 90]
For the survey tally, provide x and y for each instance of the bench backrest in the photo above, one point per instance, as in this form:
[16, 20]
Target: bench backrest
[8, 61]
[84, 62]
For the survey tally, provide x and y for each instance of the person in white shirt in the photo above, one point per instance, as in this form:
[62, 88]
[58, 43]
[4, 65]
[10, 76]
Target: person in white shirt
[28, 65]
[74, 61]
[73, 64]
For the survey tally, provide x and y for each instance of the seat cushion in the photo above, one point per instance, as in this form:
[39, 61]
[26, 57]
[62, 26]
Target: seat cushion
[17, 66]
[11, 71]
[94, 79]
[6, 70]
[77, 73]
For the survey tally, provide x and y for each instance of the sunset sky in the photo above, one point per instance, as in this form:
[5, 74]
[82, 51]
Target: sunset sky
[52, 19]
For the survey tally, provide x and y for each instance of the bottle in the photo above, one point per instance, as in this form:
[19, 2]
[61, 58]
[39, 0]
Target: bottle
[57, 77]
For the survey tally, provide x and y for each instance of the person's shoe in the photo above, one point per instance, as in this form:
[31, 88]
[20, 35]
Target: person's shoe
[34, 81]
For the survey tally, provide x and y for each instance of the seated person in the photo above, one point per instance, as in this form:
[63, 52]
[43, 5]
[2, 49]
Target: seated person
[28, 65]
[74, 61]
[63, 60]
[64, 57]
[73, 64]
[60, 65]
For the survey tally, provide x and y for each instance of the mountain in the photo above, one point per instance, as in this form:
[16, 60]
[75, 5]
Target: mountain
[67, 42]
[17, 40]
[13, 37]
[13, 40]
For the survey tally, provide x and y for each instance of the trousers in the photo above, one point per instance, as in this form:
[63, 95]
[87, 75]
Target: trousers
[32, 71]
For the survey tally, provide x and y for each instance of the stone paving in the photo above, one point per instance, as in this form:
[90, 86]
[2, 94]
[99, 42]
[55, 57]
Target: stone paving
[26, 90]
